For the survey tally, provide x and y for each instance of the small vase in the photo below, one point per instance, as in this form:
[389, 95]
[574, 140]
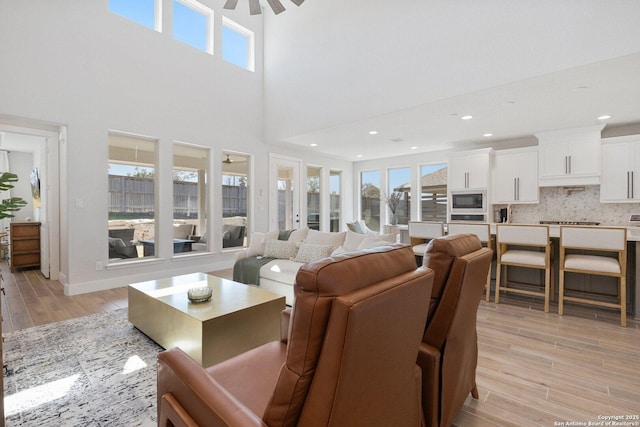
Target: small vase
[394, 220]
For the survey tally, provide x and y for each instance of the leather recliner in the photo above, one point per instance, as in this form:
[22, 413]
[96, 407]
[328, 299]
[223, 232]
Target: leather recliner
[448, 354]
[347, 357]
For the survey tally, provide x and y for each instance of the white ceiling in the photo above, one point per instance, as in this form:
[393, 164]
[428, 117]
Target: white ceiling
[335, 70]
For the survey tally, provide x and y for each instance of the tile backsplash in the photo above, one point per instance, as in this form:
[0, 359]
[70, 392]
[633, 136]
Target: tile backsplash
[573, 204]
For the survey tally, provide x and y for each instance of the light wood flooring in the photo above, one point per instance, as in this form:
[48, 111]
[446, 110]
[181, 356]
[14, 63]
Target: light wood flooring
[534, 369]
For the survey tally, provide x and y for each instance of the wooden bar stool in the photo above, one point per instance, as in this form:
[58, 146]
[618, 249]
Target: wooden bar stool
[587, 240]
[527, 246]
[483, 231]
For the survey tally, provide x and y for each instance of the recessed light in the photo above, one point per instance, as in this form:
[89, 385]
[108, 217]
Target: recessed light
[508, 103]
[605, 117]
[373, 132]
[487, 135]
[313, 145]
[359, 156]
[466, 117]
[413, 148]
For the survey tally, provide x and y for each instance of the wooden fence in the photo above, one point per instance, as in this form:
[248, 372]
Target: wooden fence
[131, 195]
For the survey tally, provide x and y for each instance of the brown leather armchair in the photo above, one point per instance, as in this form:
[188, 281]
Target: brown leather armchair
[347, 357]
[448, 354]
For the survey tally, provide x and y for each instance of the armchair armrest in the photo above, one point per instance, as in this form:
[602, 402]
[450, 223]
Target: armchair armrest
[285, 317]
[187, 395]
[429, 361]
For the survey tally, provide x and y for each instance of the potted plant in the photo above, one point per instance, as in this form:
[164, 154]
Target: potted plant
[12, 204]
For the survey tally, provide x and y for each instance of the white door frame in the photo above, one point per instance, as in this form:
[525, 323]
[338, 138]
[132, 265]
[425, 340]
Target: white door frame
[50, 187]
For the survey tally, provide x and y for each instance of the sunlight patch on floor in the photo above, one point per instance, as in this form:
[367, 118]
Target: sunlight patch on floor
[36, 396]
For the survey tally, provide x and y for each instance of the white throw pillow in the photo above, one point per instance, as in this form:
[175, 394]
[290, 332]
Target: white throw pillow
[280, 249]
[309, 252]
[372, 242]
[352, 240]
[256, 244]
[391, 237]
[298, 235]
[325, 238]
[339, 250]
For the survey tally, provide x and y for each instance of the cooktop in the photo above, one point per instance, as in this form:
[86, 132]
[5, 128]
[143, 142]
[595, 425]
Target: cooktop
[570, 222]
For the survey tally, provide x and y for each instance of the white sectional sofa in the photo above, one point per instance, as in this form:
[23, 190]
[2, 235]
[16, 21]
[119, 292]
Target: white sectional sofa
[284, 257]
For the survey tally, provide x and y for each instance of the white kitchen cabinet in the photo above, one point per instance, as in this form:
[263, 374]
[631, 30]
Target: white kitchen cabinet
[569, 157]
[469, 170]
[620, 180]
[515, 176]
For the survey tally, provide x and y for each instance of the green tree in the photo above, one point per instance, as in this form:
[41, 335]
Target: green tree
[12, 204]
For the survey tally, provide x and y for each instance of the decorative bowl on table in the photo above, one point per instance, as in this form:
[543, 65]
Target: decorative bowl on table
[200, 294]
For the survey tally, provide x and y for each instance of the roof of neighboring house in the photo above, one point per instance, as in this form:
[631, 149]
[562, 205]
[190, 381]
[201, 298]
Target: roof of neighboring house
[437, 179]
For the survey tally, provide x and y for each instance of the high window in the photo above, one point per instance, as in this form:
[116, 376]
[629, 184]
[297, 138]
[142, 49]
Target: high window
[335, 186]
[397, 196]
[370, 183]
[193, 24]
[313, 197]
[238, 45]
[433, 199]
[235, 199]
[190, 190]
[144, 12]
[132, 197]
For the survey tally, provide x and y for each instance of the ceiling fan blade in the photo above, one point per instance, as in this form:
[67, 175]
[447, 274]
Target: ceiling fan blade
[254, 7]
[276, 6]
[297, 2]
[230, 4]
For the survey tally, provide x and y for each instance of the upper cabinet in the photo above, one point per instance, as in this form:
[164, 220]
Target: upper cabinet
[569, 157]
[620, 181]
[515, 176]
[469, 170]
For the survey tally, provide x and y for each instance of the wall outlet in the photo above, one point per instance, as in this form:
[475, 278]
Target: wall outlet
[99, 265]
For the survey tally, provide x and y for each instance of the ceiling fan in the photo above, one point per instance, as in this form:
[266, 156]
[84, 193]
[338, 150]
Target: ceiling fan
[229, 160]
[254, 6]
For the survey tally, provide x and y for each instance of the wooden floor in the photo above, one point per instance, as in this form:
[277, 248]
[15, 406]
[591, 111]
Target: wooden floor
[534, 369]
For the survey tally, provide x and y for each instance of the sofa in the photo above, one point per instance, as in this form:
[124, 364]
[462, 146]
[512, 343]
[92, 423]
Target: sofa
[273, 259]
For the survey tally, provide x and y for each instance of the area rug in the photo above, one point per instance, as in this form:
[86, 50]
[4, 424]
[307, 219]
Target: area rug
[96, 370]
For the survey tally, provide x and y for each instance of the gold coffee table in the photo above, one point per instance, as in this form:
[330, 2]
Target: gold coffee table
[238, 317]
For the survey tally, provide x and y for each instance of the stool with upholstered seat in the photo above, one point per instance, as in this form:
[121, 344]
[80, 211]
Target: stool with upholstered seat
[594, 243]
[527, 246]
[421, 233]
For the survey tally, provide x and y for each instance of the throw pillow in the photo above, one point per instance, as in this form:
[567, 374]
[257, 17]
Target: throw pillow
[280, 249]
[355, 227]
[339, 250]
[325, 238]
[115, 242]
[391, 237]
[256, 244]
[309, 252]
[372, 242]
[352, 240]
[298, 235]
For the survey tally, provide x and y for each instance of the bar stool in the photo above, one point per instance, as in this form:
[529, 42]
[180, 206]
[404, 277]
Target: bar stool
[420, 233]
[611, 240]
[527, 246]
[483, 231]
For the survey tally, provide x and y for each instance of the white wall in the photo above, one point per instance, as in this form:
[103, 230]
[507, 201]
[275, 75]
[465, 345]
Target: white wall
[77, 65]
[358, 59]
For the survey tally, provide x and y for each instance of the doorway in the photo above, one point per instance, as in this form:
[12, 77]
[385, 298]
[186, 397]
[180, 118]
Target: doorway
[284, 193]
[41, 142]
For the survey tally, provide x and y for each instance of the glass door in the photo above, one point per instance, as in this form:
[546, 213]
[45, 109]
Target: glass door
[284, 200]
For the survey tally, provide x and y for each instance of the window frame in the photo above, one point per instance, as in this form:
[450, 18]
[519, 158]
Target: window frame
[251, 41]
[157, 16]
[209, 17]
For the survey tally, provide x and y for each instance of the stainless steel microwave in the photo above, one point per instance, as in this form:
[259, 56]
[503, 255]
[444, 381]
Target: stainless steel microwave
[468, 201]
